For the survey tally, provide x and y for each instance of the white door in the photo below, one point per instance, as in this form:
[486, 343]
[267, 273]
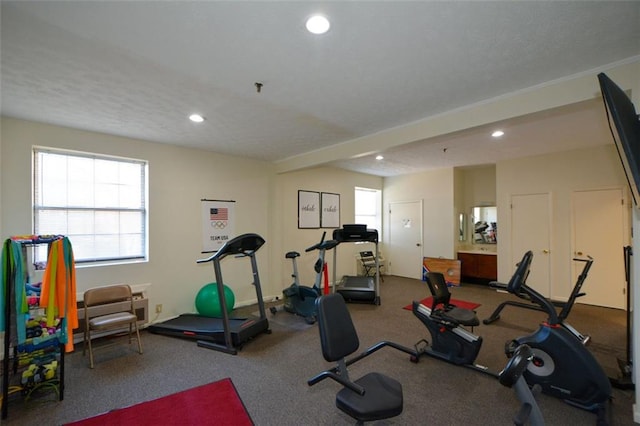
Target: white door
[405, 239]
[600, 230]
[530, 230]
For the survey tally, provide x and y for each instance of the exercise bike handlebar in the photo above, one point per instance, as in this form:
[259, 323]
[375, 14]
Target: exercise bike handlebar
[332, 373]
[315, 246]
[517, 283]
[344, 382]
[576, 292]
[323, 245]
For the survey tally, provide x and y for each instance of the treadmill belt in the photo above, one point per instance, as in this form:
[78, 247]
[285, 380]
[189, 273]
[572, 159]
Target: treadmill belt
[358, 289]
[194, 326]
[196, 323]
[364, 283]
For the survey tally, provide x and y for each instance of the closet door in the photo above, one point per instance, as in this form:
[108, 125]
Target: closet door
[530, 230]
[405, 239]
[601, 230]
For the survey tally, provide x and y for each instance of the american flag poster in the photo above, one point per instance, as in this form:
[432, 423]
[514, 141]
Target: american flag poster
[217, 224]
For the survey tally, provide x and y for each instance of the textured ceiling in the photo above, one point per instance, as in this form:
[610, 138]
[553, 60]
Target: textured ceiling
[138, 69]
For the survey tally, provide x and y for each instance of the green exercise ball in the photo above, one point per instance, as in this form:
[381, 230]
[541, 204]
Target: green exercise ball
[208, 303]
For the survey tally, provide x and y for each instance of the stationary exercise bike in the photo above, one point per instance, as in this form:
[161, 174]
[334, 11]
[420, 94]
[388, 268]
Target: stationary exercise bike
[565, 307]
[301, 300]
[562, 366]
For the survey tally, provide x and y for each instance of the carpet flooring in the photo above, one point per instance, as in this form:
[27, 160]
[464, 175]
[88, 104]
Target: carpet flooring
[271, 371]
[286, 319]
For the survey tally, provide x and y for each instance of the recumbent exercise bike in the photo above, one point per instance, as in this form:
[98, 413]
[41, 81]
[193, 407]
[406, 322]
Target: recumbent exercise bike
[562, 366]
[376, 396]
[565, 307]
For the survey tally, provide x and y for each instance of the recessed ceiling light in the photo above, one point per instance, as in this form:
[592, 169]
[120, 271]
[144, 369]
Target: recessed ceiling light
[497, 133]
[379, 157]
[318, 24]
[196, 118]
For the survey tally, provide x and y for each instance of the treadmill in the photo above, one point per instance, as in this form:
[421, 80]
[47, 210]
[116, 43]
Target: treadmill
[356, 288]
[222, 334]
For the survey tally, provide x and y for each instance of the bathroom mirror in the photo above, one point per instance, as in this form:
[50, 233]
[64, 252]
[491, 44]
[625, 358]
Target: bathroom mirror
[484, 225]
[462, 227]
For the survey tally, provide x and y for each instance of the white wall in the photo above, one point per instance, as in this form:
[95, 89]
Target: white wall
[266, 203]
[479, 186]
[558, 174]
[178, 179]
[322, 179]
[436, 189]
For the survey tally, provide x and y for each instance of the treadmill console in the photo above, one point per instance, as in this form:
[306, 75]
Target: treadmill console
[245, 244]
[353, 233]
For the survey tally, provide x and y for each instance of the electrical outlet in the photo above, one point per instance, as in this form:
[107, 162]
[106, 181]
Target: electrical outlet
[158, 308]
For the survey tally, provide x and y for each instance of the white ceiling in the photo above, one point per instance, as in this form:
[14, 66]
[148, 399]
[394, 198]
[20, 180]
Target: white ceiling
[138, 69]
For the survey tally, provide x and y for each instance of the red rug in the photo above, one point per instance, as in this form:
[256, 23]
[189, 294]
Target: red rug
[217, 403]
[459, 303]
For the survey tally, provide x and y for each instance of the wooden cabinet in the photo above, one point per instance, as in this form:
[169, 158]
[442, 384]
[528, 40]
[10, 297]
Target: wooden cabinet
[478, 267]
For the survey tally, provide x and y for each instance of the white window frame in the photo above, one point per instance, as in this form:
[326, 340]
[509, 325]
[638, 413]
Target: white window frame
[112, 228]
[372, 215]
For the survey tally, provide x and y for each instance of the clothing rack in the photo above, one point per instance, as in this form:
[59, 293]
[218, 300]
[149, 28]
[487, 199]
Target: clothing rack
[41, 344]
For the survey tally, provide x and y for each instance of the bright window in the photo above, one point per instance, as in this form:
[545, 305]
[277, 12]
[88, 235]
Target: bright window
[368, 207]
[99, 202]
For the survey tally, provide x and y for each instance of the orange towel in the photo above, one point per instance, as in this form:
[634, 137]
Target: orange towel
[59, 290]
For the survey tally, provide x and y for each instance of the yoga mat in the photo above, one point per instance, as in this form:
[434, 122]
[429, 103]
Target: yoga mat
[217, 403]
[459, 303]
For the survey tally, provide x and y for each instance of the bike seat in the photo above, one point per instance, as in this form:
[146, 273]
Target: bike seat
[292, 255]
[459, 316]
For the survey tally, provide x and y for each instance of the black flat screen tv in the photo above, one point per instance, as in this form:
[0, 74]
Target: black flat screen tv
[625, 131]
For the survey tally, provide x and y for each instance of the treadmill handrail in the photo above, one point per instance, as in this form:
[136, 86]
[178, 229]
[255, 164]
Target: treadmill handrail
[245, 244]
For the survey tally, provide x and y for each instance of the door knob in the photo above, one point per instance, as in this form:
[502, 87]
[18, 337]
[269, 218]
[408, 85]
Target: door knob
[579, 253]
[417, 244]
[545, 251]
